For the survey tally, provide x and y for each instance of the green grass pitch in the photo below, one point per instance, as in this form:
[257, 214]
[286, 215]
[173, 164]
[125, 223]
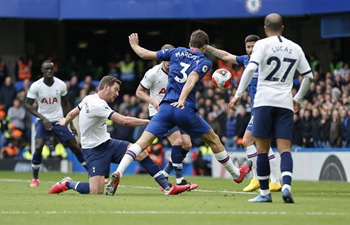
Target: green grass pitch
[139, 200]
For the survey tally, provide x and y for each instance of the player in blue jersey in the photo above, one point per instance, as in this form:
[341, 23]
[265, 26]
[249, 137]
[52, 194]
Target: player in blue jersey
[248, 139]
[152, 89]
[277, 59]
[178, 107]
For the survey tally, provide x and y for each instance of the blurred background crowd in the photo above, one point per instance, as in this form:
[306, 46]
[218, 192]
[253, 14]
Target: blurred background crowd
[322, 122]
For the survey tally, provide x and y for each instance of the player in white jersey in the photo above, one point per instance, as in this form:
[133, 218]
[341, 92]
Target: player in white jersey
[248, 139]
[51, 96]
[155, 82]
[99, 148]
[278, 59]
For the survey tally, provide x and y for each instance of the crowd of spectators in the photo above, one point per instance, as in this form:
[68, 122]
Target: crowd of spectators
[322, 122]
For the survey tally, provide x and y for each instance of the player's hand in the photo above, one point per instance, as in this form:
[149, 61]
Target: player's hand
[296, 106]
[155, 104]
[233, 103]
[47, 124]
[134, 39]
[179, 104]
[62, 122]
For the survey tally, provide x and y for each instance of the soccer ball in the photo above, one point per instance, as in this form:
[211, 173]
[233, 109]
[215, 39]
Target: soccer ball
[221, 78]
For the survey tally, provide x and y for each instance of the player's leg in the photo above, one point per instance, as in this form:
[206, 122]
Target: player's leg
[175, 139]
[153, 169]
[220, 153]
[134, 150]
[248, 143]
[262, 131]
[284, 135]
[275, 184]
[41, 135]
[67, 137]
[36, 161]
[263, 170]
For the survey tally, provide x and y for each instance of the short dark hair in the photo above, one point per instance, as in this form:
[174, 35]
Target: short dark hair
[109, 80]
[45, 62]
[198, 39]
[251, 38]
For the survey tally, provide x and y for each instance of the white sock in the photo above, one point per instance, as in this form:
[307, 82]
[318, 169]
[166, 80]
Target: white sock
[252, 155]
[129, 157]
[273, 167]
[226, 161]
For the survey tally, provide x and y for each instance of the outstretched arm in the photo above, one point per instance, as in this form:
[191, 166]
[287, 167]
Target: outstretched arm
[140, 51]
[221, 54]
[128, 120]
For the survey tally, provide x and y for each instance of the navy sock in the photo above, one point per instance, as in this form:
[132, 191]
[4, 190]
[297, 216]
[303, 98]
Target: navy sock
[286, 167]
[168, 167]
[154, 170]
[36, 162]
[263, 170]
[184, 153]
[81, 187]
[177, 157]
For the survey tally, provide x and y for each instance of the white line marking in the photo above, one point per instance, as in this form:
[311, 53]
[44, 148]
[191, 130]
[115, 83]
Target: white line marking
[175, 213]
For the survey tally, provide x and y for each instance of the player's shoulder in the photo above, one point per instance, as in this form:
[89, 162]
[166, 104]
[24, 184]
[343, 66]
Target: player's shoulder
[37, 83]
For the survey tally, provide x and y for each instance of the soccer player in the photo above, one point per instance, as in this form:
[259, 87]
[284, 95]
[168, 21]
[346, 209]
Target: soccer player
[277, 58]
[51, 96]
[99, 148]
[248, 139]
[178, 108]
[152, 89]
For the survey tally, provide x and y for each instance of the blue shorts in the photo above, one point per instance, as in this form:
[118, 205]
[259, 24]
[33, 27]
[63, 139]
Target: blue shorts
[250, 124]
[98, 159]
[61, 132]
[172, 130]
[273, 122]
[169, 116]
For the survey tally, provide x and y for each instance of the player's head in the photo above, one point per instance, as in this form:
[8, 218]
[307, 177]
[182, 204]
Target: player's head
[250, 41]
[273, 24]
[199, 39]
[166, 64]
[108, 88]
[47, 68]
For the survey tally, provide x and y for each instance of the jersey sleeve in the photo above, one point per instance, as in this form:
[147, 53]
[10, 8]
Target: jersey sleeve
[33, 91]
[258, 53]
[63, 89]
[303, 66]
[148, 79]
[203, 67]
[240, 60]
[165, 55]
[101, 110]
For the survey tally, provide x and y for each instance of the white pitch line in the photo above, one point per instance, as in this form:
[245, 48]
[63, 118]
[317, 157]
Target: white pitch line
[3, 212]
[141, 187]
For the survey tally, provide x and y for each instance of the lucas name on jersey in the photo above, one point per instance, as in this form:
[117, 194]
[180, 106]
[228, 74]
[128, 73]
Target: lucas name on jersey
[281, 48]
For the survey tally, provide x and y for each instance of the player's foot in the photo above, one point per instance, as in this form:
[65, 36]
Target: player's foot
[113, 184]
[287, 196]
[275, 187]
[192, 186]
[261, 198]
[244, 170]
[176, 189]
[60, 186]
[34, 183]
[253, 185]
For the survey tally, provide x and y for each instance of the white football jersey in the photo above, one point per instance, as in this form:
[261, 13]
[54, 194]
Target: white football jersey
[155, 80]
[278, 58]
[48, 98]
[93, 115]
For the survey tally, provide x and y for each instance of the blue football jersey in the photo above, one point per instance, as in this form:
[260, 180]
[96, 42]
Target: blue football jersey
[182, 62]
